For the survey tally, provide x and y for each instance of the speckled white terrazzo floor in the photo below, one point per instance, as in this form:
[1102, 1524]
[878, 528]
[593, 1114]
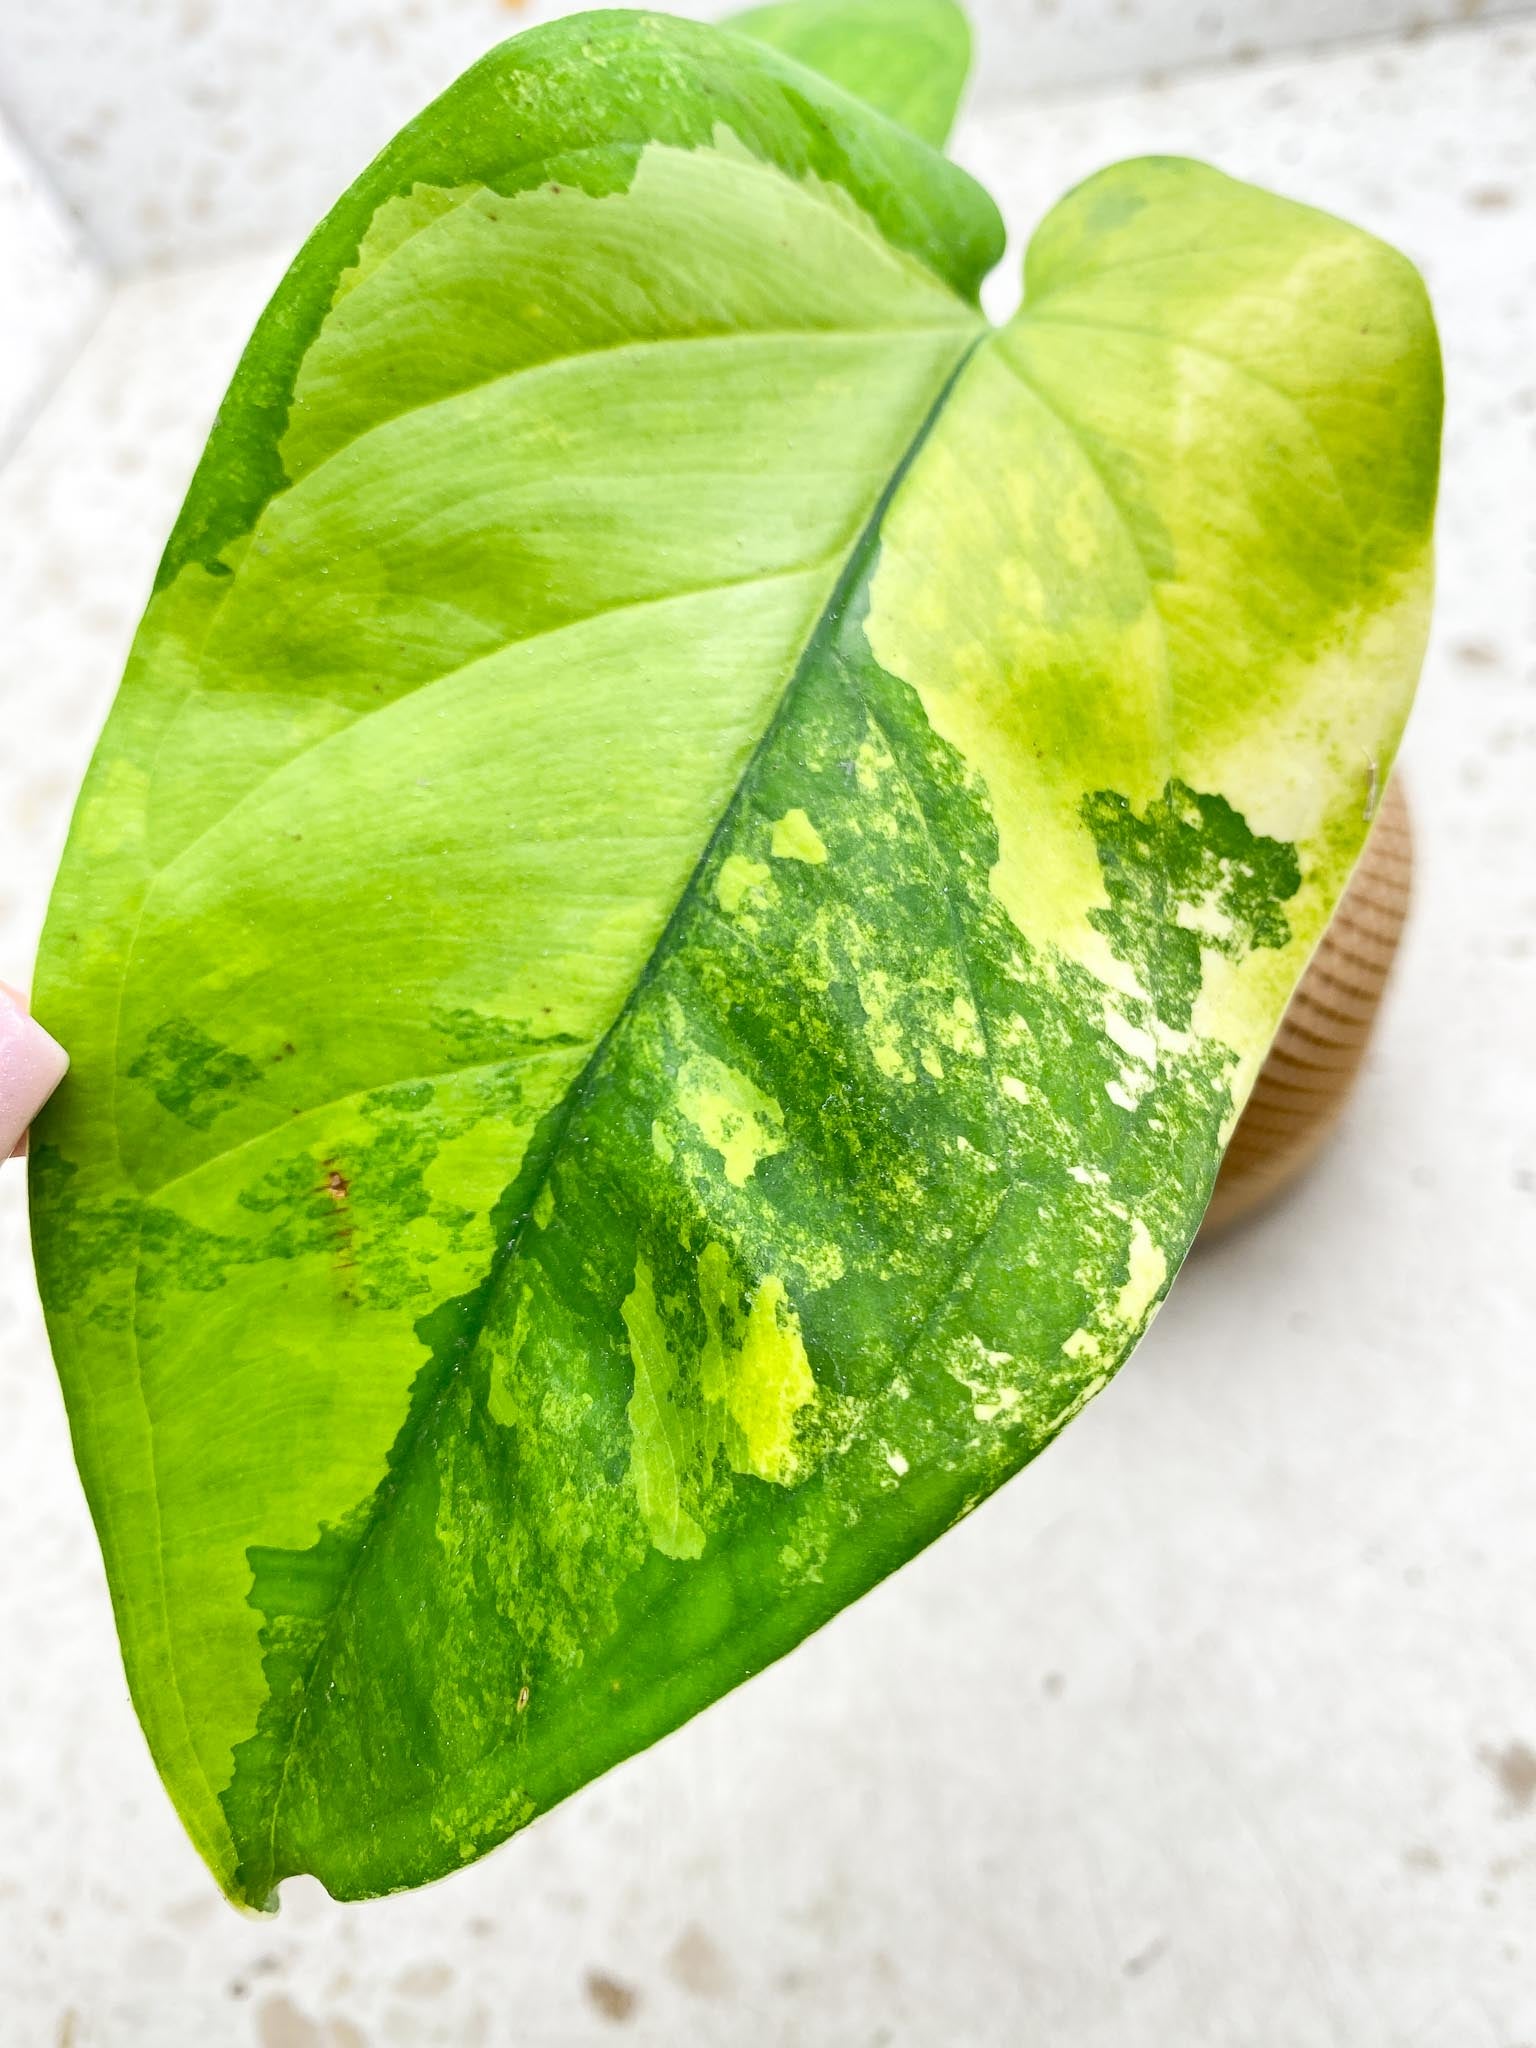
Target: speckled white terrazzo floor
[51, 287]
[1215, 1730]
[181, 128]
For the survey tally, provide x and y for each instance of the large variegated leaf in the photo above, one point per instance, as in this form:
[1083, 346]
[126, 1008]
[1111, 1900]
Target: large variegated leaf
[694, 860]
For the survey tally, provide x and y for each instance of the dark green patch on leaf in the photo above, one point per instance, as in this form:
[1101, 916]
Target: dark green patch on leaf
[191, 1074]
[1186, 878]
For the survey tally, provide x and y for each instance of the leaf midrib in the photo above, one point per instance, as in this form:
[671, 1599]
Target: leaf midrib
[506, 1257]
[966, 317]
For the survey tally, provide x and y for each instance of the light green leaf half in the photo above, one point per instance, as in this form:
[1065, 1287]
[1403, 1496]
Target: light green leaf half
[691, 868]
[909, 58]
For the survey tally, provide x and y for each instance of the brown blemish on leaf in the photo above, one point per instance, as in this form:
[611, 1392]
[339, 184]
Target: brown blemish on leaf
[338, 1187]
[615, 2001]
[1514, 1768]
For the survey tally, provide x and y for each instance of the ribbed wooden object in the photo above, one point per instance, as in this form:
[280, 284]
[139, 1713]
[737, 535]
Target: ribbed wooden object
[1316, 1057]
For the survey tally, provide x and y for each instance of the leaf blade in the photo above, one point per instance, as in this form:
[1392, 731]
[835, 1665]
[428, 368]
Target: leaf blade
[290, 766]
[810, 1196]
[909, 58]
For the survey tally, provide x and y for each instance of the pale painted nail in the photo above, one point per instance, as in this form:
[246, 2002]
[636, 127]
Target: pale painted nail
[31, 1066]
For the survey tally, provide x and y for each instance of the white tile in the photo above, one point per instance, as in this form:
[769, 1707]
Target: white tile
[50, 287]
[1191, 1739]
[1053, 46]
[181, 128]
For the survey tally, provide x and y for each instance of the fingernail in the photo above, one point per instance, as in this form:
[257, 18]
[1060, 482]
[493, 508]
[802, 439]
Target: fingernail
[31, 1066]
